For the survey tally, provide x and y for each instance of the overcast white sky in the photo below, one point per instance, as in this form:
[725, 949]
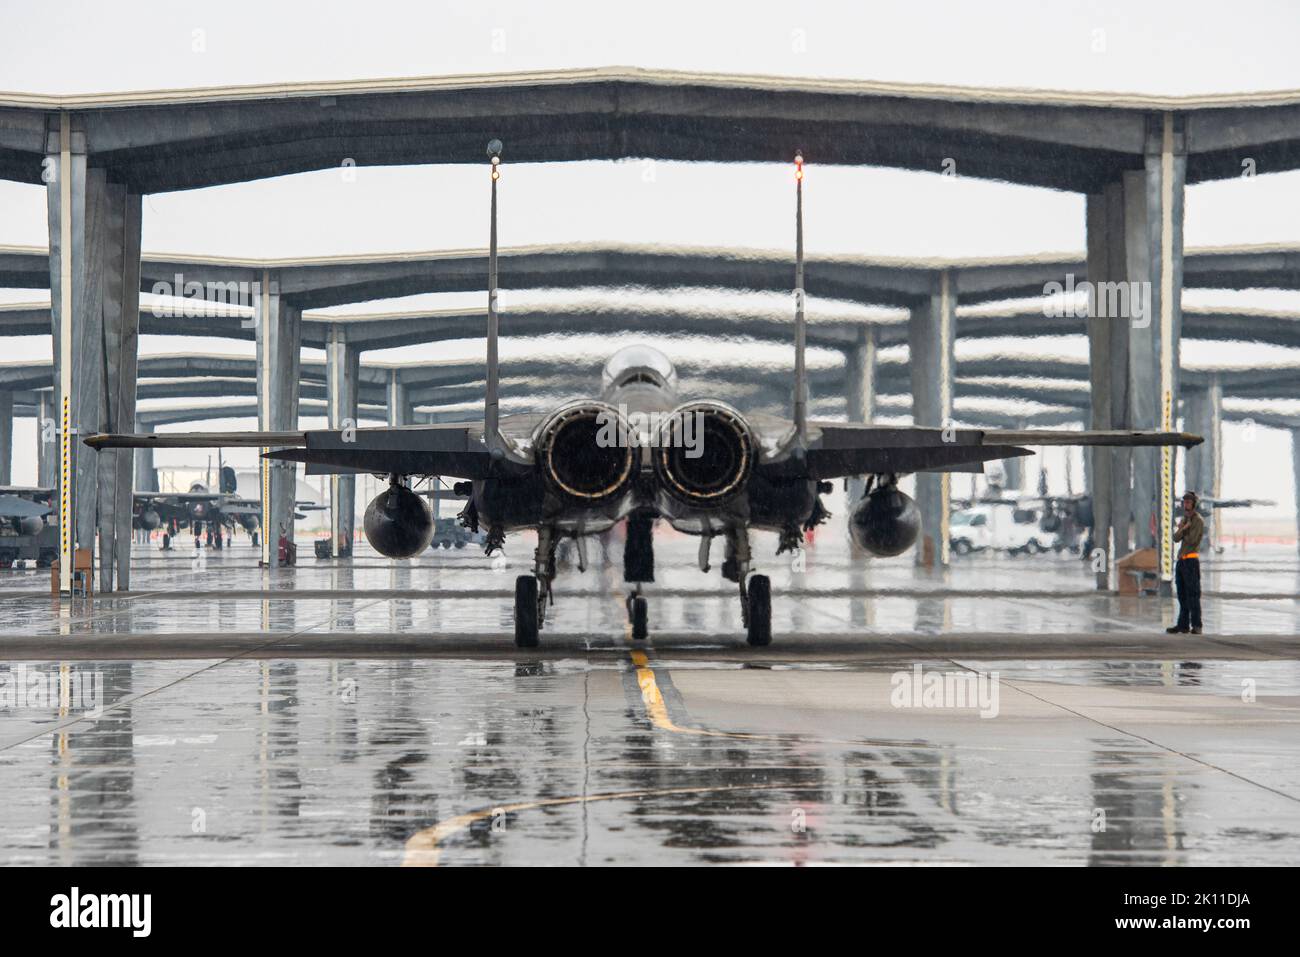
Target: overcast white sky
[1186, 47]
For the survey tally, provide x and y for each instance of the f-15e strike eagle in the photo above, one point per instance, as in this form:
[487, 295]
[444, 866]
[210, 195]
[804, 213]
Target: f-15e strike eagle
[642, 453]
[202, 510]
[198, 510]
[25, 511]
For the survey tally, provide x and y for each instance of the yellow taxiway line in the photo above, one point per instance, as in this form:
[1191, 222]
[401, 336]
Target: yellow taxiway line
[423, 850]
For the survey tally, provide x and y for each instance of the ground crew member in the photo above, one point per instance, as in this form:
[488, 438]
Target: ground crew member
[1187, 573]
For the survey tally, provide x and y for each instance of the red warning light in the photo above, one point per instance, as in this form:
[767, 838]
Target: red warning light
[798, 166]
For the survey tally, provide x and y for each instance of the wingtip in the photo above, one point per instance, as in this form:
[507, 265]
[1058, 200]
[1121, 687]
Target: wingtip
[112, 440]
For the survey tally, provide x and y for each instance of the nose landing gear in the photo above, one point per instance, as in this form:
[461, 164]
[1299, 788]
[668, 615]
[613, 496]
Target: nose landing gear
[638, 615]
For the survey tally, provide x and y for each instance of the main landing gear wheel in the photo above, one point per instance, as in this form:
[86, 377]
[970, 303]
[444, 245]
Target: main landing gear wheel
[527, 621]
[758, 624]
[639, 614]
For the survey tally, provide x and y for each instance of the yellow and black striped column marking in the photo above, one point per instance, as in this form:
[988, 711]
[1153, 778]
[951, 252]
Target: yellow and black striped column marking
[67, 543]
[270, 536]
[1166, 344]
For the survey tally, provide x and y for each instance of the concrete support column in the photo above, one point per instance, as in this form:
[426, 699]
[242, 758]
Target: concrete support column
[1087, 471]
[1108, 371]
[1295, 475]
[121, 329]
[1135, 251]
[74, 305]
[399, 404]
[47, 441]
[1195, 404]
[342, 369]
[1156, 342]
[860, 382]
[930, 334]
[1013, 469]
[1203, 414]
[6, 437]
[146, 476]
[1215, 434]
[1120, 359]
[278, 371]
[94, 227]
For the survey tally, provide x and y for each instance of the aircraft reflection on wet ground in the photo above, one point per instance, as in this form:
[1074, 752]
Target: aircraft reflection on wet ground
[123, 741]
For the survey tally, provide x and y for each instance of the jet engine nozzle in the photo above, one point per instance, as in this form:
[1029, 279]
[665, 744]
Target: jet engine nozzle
[586, 453]
[398, 523]
[886, 522]
[250, 523]
[704, 453]
[150, 519]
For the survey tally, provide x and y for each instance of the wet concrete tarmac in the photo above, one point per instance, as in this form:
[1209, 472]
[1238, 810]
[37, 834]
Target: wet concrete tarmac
[369, 712]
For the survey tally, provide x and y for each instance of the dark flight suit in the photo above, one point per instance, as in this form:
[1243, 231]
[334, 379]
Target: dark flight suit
[1187, 573]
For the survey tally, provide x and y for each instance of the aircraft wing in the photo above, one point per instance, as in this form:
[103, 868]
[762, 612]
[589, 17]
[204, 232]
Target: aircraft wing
[26, 491]
[457, 450]
[839, 449]
[1091, 437]
[453, 449]
[1236, 502]
[193, 440]
[176, 498]
[239, 507]
[14, 506]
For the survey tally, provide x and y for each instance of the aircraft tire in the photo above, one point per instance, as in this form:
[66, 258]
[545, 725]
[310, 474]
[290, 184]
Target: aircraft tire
[640, 618]
[526, 623]
[759, 631]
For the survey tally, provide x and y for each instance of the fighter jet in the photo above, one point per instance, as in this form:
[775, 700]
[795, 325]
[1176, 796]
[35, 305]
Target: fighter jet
[22, 510]
[204, 512]
[639, 451]
[1208, 506]
[25, 529]
[200, 510]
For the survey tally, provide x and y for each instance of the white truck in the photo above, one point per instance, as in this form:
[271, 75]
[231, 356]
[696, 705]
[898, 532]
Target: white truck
[998, 526]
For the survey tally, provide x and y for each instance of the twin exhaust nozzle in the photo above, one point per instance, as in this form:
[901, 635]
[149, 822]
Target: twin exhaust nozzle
[702, 452]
